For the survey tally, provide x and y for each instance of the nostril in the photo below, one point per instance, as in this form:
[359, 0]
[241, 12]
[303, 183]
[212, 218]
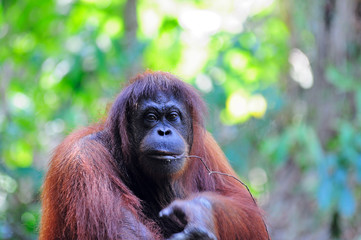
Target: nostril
[164, 132]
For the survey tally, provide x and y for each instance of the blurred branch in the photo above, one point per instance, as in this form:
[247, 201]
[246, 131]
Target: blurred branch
[130, 41]
[131, 23]
[341, 35]
[6, 73]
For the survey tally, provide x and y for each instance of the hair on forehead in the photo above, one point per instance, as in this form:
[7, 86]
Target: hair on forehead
[150, 84]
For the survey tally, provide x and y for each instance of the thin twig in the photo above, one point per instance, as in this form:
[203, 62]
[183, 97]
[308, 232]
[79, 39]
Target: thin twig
[210, 172]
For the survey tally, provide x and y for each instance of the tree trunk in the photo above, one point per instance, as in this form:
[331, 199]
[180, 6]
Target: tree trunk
[130, 41]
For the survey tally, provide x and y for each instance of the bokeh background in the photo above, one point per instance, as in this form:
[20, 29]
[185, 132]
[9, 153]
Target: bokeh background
[281, 79]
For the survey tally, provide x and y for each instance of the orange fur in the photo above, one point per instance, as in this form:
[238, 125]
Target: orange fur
[86, 193]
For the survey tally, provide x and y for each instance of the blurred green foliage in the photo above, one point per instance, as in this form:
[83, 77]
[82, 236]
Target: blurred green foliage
[62, 62]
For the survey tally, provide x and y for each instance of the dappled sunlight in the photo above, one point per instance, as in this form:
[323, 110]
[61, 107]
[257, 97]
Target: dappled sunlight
[241, 106]
[238, 60]
[200, 22]
[151, 21]
[237, 105]
[301, 69]
[193, 59]
[8, 185]
[103, 42]
[21, 101]
[204, 83]
[48, 80]
[199, 25]
[223, 15]
[74, 44]
[61, 69]
[257, 106]
[113, 26]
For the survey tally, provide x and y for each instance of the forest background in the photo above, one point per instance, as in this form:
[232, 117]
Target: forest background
[281, 79]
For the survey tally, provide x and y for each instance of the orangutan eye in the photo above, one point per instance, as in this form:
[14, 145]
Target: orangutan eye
[151, 117]
[173, 116]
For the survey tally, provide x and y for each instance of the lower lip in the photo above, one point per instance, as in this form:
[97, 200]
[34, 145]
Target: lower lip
[165, 158]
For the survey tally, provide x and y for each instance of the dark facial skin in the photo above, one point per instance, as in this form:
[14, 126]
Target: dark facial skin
[161, 129]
